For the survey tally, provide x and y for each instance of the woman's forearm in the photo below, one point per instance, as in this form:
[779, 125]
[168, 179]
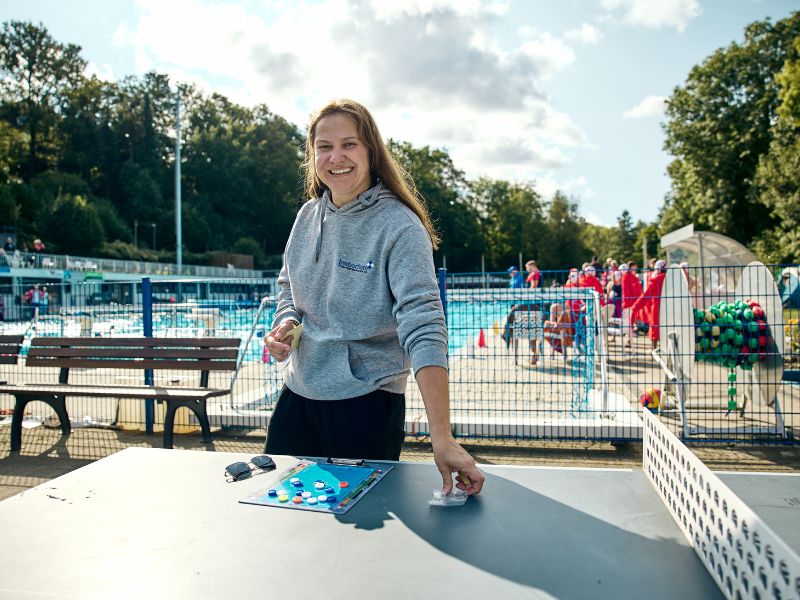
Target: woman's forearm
[433, 386]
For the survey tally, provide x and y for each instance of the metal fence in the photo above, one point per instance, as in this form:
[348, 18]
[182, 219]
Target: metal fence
[713, 351]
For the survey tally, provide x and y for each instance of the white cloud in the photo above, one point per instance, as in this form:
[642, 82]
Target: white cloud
[433, 72]
[594, 219]
[655, 13]
[586, 34]
[103, 72]
[652, 106]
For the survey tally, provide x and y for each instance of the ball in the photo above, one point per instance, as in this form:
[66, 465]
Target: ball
[651, 398]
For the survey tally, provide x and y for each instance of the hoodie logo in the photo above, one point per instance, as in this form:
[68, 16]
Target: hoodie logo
[354, 266]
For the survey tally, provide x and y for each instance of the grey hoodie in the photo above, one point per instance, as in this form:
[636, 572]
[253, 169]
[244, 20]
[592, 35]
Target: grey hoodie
[361, 280]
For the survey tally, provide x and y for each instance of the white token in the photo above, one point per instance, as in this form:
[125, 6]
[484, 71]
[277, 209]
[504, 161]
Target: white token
[306, 494]
[322, 498]
[312, 501]
[319, 485]
[293, 479]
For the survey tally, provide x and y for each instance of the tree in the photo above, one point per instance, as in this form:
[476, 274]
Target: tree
[513, 221]
[777, 181]
[74, 227]
[36, 70]
[563, 245]
[719, 126]
[443, 187]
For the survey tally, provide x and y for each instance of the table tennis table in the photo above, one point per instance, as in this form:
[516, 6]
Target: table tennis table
[153, 523]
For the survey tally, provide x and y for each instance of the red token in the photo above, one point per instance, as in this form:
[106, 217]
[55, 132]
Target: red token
[297, 499]
[343, 484]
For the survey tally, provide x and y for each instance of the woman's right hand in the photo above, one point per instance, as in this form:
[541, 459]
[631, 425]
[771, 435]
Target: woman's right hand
[278, 342]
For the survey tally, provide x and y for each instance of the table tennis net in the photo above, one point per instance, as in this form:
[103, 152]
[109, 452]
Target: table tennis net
[743, 555]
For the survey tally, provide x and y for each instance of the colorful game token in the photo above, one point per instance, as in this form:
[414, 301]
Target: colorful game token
[329, 490]
[312, 501]
[272, 493]
[283, 498]
[297, 500]
[294, 479]
[305, 494]
[297, 483]
[322, 498]
[331, 499]
[343, 484]
[319, 484]
[298, 493]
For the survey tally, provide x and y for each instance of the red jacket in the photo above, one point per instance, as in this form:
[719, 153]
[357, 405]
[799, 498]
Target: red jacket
[648, 304]
[631, 289]
[590, 281]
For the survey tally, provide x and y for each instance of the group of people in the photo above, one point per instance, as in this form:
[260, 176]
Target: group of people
[38, 299]
[623, 294]
[10, 254]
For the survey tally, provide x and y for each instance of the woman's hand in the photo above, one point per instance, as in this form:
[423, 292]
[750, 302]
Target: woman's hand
[278, 342]
[451, 458]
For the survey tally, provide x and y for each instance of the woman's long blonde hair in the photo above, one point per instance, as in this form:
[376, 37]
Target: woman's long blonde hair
[382, 164]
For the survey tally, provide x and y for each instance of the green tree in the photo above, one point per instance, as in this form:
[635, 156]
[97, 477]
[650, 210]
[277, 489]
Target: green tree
[443, 188]
[513, 221]
[36, 70]
[718, 127]
[777, 181]
[564, 245]
[74, 227]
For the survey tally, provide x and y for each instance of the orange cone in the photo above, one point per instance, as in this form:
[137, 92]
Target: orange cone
[481, 339]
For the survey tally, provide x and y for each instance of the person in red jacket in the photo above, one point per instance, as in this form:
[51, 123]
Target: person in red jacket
[590, 280]
[648, 303]
[631, 290]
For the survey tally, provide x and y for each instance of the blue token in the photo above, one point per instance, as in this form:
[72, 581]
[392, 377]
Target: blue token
[297, 483]
[298, 493]
[329, 490]
[272, 493]
[331, 499]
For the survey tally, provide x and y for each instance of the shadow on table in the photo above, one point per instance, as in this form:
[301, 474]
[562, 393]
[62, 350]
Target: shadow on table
[521, 535]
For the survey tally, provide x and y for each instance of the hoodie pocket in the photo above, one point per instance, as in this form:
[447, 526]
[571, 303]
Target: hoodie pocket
[370, 363]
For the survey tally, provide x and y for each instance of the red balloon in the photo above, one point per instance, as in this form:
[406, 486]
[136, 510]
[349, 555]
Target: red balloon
[762, 326]
[758, 312]
[762, 341]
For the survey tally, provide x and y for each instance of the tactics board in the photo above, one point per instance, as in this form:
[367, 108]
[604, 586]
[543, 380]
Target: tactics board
[321, 487]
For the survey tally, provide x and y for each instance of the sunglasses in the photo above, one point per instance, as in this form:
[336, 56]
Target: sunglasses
[243, 470]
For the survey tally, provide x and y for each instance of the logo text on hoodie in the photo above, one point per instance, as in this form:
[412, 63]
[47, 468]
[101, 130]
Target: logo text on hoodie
[354, 266]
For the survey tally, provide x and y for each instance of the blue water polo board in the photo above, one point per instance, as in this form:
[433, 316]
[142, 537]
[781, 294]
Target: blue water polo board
[321, 487]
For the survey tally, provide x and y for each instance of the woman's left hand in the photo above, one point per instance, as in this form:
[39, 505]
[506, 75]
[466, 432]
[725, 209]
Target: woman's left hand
[451, 458]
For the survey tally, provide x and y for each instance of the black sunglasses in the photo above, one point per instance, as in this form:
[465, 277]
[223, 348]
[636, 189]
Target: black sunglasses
[242, 470]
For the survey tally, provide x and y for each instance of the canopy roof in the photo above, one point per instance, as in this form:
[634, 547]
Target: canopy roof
[705, 249]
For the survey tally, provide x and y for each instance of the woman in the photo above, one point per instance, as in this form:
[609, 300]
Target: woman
[358, 274]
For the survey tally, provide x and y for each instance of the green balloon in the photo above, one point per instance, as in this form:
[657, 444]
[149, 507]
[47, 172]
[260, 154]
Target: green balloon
[748, 314]
[752, 327]
[738, 339]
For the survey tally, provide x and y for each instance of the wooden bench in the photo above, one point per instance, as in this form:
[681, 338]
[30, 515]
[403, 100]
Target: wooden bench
[184, 354]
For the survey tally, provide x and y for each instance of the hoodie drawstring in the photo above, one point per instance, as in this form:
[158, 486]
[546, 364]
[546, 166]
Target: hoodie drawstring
[323, 206]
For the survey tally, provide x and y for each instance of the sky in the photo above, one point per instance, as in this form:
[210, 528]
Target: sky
[566, 95]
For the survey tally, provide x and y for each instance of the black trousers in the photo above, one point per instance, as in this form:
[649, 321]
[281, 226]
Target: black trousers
[366, 427]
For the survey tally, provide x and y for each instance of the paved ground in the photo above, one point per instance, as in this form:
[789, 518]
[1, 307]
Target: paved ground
[46, 455]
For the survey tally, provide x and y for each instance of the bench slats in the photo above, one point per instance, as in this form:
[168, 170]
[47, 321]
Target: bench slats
[130, 363]
[131, 352]
[9, 348]
[142, 342]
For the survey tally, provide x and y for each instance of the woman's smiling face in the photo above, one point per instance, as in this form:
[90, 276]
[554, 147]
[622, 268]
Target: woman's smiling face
[341, 158]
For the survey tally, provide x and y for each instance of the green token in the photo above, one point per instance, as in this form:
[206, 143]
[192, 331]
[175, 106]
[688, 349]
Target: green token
[732, 377]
